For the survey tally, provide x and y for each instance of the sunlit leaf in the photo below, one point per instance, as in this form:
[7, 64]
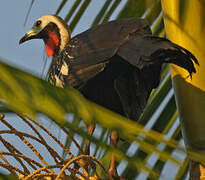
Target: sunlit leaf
[25, 93]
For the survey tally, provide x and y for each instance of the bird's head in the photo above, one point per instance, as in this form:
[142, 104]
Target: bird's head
[54, 32]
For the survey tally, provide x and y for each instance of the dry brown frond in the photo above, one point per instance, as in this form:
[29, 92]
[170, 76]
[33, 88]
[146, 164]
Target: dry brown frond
[35, 164]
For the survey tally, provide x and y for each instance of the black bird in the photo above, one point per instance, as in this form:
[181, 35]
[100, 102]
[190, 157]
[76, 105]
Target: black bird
[116, 64]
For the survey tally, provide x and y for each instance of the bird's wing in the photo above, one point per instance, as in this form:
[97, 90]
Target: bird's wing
[88, 52]
[147, 53]
[143, 51]
[133, 94]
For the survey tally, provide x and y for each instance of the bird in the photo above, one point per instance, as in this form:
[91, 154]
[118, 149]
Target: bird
[116, 64]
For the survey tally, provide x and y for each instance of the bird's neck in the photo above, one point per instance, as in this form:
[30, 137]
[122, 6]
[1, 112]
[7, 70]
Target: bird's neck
[52, 44]
[56, 41]
[64, 37]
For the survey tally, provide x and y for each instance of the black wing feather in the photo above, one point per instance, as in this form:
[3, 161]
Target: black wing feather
[143, 51]
[97, 45]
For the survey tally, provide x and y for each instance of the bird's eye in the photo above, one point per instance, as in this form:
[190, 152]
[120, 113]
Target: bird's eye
[38, 23]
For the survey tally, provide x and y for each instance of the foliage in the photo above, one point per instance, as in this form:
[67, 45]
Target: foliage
[152, 147]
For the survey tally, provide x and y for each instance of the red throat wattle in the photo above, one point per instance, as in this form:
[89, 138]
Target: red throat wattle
[52, 43]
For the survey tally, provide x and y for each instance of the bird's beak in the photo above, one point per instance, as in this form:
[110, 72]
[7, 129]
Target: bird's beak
[29, 35]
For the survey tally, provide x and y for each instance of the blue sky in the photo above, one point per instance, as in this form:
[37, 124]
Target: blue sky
[12, 16]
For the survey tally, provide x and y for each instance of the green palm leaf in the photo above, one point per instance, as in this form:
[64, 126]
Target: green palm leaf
[158, 136]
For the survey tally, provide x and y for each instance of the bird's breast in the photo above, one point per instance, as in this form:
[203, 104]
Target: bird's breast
[58, 73]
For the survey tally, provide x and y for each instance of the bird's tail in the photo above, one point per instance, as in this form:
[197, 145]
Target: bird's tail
[177, 55]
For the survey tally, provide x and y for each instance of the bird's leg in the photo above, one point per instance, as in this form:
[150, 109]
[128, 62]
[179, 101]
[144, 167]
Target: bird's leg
[91, 129]
[112, 172]
[86, 149]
